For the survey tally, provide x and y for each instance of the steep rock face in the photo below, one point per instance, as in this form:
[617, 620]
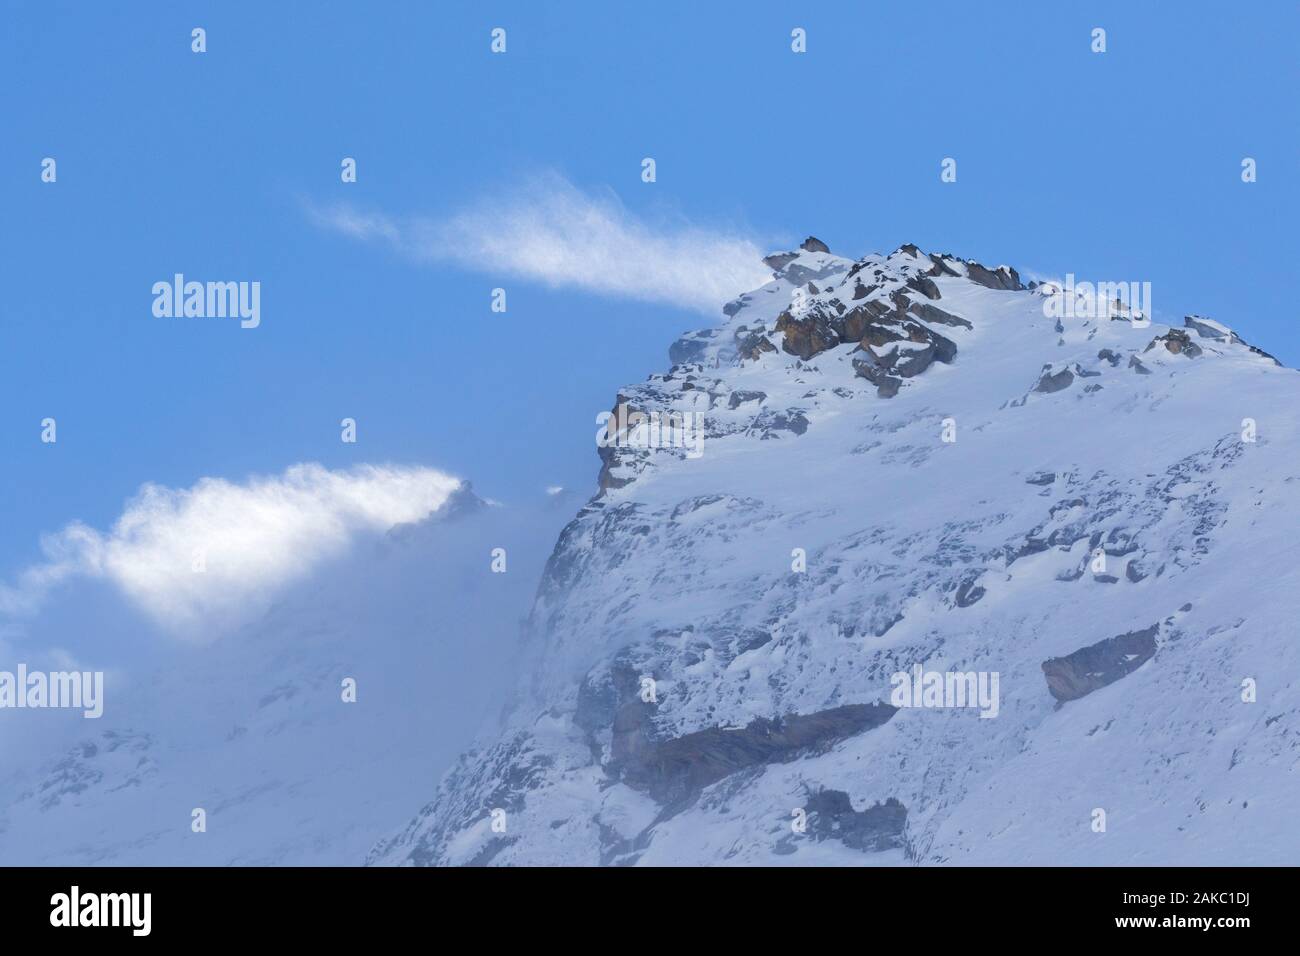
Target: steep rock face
[1098, 665]
[883, 485]
[676, 769]
[877, 828]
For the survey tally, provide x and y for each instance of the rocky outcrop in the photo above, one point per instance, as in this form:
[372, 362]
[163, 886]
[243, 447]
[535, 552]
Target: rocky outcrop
[1176, 342]
[1098, 665]
[674, 770]
[879, 827]
[807, 336]
[691, 347]
[777, 261]
[750, 345]
[878, 302]
[1218, 332]
[924, 285]
[1052, 380]
[1209, 329]
[969, 592]
[869, 366]
[1003, 277]
[741, 396]
[929, 313]
[768, 423]
[897, 348]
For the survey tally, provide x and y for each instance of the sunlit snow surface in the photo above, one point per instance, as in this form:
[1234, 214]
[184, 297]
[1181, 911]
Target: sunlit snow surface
[684, 575]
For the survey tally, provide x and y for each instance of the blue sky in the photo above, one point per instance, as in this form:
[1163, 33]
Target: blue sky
[1118, 166]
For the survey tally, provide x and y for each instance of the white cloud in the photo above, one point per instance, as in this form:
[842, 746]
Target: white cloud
[249, 539]
[551, 232]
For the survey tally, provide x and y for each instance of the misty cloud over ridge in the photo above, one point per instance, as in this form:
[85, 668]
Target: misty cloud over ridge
[188, 556]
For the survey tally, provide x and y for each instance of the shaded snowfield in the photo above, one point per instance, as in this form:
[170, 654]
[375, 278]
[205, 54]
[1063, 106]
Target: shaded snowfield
[252, 727]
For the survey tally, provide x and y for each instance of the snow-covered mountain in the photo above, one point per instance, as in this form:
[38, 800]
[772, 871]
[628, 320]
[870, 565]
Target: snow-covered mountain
[913, 460]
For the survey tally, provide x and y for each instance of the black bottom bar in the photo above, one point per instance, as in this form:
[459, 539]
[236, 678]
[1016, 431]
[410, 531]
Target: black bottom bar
[330, 905]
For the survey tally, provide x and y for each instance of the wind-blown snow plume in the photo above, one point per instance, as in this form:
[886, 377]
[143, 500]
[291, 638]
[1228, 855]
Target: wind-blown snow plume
[187, 555]
[551, 232]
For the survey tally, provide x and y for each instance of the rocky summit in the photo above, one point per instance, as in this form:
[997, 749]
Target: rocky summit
[908, 461]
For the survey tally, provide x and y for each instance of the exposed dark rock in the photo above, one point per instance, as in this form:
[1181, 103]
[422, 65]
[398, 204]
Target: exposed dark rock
[925, 286]
[877, 355]
[733, 307]
[786, 266]
[752, 345]
[806, 337]
[690, 348]
[1136, 364]
[1054, 381]
[1176, 341]
[1204, 328]
[853, 324]
[1041, 478]
[969, 592]
[880, 827]
[779, 260]
[1030, 546]
[888, 386]
[1106, 355]
[609, 460]
[869, 366]
[1201, 327]
[929, 313]
[910, 362]
[941, 268]
[813, 244]
[1097, 665]
[945, 350]
[1003, 277]
[740, 396]
[677, 769]
[768, 423]
[616, 850]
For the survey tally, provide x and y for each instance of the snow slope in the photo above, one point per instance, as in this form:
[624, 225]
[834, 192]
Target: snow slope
[1099, 487]
[252, 727]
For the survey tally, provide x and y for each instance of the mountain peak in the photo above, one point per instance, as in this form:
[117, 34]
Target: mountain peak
[903, 465]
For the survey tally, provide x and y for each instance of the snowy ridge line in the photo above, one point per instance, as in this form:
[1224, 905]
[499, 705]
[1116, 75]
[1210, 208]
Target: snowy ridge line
[910, 466]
